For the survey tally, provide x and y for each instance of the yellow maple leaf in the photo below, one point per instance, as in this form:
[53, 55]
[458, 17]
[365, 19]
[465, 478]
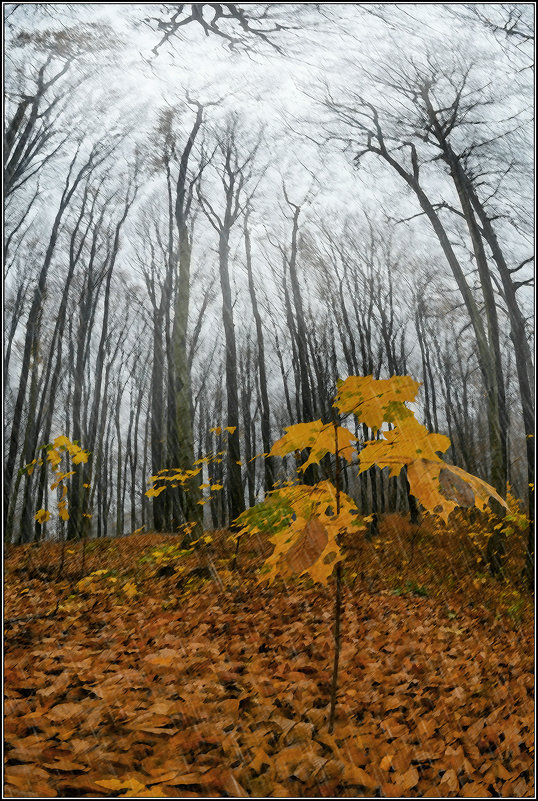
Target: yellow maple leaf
[61, 477]
[153, 492]
[441, 487]
[130, 589]
[30, 467]
[62, 442]
[306, 547]
[308, 544]
[375, 401]
[410, 440]
[42, 516]
[319, 437]
[328, 442]
[54, 457]
[119, 784]
[297, 437]
[80, 456]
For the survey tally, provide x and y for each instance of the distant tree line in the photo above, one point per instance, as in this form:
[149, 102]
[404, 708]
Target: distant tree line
[150, 298]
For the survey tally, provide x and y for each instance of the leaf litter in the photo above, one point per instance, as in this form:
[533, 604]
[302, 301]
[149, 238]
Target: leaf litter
[221, 688]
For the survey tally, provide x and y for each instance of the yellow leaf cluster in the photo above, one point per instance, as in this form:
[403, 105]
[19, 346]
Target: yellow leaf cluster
[438, 486]
[63, 443]
[61, 477]
[174, 476]
[218, 429]
[55, 451]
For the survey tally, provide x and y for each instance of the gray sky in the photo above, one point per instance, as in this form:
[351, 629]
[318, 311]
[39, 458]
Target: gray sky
[340, 49]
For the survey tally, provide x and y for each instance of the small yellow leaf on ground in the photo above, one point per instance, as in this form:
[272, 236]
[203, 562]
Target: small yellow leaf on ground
[130, 589]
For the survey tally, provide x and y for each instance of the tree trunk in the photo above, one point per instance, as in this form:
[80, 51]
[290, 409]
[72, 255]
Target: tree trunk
[236, 502]
[181, 443]
[269, 475]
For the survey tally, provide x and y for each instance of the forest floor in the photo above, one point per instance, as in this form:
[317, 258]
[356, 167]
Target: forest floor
[167, 675]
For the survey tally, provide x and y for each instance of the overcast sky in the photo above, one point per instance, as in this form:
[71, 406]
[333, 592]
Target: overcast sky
[339, 48]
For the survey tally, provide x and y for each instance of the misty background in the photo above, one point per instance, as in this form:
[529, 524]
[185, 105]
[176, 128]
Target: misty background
[215, 211]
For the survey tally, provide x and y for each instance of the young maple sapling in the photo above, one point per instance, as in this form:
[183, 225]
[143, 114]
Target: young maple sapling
[306, 542]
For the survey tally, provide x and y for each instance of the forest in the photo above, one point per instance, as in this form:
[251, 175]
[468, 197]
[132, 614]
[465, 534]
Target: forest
[268, 400]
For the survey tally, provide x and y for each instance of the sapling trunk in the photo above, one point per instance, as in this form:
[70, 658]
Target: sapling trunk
[62, 553]
[411, 500]
[528, 570]
[83, 562]
[337, 643]
[234, 560]
[10, 523]
[496, 547]
[338, 594]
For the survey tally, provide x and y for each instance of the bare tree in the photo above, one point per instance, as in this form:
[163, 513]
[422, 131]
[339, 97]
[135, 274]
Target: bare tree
[365, 121]
[237, 24]
[236, 174]
[265, 423]
[75, 175]
[32, 129]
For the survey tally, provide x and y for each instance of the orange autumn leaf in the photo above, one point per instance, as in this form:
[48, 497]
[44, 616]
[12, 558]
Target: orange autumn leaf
[306, 547]
[409, 779]
[441, 487]
[128, 783]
